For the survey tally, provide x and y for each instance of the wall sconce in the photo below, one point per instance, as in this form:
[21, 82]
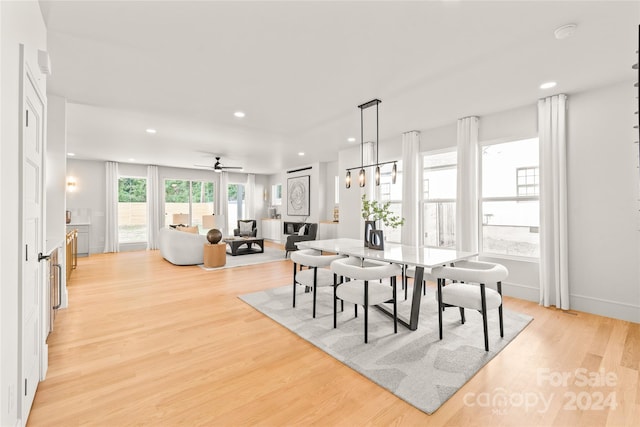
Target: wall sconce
[265, 195]
[71, 184]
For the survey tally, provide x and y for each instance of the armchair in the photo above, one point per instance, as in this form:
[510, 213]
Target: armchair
[246, 228]
[310, 231]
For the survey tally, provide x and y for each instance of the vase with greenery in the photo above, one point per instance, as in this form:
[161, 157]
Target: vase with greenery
[374, 212]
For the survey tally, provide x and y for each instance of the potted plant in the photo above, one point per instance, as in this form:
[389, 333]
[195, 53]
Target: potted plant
[372, 212]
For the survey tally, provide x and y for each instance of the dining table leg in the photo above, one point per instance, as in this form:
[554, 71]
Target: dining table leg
[416, 299]
[412, 322]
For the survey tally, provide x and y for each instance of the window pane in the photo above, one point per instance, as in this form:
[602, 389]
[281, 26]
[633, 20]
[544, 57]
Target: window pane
[201, 201]
[390, 234]
[176, 199]
[276, 195]
[500, 163]
[389, 191]
[511, 228]
[440, 224]
[439, 178]
[440, 183]
[132, 210]
[236, 205]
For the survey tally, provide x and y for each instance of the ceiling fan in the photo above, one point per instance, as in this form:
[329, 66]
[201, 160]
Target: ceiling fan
[219, 167]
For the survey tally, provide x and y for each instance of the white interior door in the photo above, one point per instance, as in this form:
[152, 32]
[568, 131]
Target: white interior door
[32, 146]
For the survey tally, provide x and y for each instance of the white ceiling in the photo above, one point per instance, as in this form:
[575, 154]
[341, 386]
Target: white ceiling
[299, 69]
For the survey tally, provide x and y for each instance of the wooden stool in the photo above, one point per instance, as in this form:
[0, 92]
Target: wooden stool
[215, 255]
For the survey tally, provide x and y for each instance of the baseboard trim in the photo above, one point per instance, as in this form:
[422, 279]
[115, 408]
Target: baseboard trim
[604, 307]
[587, 304]
[516, 290]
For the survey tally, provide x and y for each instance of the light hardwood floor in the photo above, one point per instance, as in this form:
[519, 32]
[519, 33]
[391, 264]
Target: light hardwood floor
[148, 343]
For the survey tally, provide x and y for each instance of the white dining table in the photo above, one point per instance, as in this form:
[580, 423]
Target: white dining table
[419, 256]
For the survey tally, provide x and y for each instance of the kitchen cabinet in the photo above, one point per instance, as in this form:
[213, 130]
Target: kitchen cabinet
[82, 239]
[271, 229]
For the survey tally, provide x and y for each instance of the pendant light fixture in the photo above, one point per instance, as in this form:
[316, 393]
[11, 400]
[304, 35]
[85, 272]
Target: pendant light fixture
[362, 174]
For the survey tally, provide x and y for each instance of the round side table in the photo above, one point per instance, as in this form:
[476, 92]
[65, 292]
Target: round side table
[215, 255]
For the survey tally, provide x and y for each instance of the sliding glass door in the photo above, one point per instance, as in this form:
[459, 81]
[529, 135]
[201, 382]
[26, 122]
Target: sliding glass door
[185, 202]
[236, 205]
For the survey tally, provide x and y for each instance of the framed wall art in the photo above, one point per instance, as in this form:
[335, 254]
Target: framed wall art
[298, 196]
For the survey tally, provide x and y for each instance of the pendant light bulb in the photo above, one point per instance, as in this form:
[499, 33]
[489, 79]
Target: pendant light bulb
[348, 179]
[361, 177]
[394, 173]
[377, 175]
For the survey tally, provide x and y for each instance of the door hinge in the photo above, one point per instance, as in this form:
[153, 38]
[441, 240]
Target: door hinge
[27, 119]
[26, 252]
[25, 386]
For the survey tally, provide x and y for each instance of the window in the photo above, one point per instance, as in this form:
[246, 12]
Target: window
[439, 199]
[510, 203]
[132, 210]
[191, 198]
[527, 181]
[235, 199]
[276, 195]
[389, 192]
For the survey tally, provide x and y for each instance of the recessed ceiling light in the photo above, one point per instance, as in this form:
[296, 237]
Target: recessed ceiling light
[548, 85]
[151, 130]
[301, 154]
[351, 139]
[565, 31]
[239, 114]
[71, 154]
[132, 160]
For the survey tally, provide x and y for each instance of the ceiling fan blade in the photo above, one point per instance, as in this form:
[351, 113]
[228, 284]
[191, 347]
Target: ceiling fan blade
[231, 167]
[204, 166]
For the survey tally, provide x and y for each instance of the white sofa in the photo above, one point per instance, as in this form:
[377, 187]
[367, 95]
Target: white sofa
[181, 248]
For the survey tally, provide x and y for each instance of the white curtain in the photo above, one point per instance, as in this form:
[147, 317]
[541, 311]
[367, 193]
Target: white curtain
[111, 217]
[153, 207]
[410, 187]
[222, 203]
[467, 186]
[250, 197]
[554, 275]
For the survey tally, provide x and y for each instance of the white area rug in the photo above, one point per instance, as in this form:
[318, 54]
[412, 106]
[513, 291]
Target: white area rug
[269, 255]
[414, 365]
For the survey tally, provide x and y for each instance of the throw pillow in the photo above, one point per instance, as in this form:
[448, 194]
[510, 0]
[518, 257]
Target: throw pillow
[301, 231]
[186, 229]
[246, 228]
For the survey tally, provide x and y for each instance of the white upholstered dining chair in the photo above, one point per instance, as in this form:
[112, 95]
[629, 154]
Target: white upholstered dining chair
[315, 275]
[471, 291]
[363, 288]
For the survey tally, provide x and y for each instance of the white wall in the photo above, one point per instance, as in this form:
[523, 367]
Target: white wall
[350, 225]
[317, 203]
[604, 248]
[331, 171]
[21, 22]
[87, 202]
[56, 170]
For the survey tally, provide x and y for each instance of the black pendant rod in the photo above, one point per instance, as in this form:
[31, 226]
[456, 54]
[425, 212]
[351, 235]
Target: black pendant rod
[377, 139]
[361, 138]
